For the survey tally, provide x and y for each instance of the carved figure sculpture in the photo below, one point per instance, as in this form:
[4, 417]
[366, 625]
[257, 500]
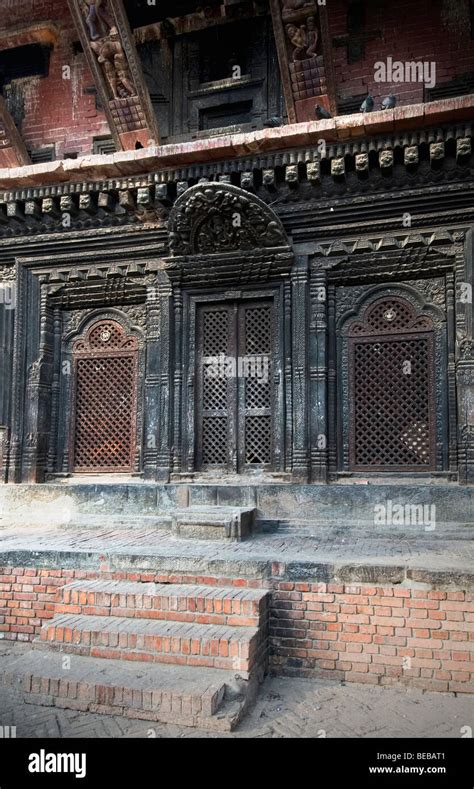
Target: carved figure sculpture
[111, 56]
[299, 39]
[312, 35]
[98, 19]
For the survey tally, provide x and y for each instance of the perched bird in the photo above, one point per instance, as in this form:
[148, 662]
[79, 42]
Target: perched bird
[368, 104]
[389, 102]
[321, 113]
[273, 121]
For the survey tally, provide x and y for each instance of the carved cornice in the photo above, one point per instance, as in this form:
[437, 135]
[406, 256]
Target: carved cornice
[294, 181]
[240, 268]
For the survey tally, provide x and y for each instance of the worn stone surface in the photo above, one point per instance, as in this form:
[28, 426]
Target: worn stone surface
[320, 554]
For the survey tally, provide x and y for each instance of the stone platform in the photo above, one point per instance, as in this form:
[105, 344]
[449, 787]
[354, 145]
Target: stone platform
[351, 599]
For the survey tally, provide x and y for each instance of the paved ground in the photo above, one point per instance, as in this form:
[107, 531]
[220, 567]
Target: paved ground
[441, 550]
[285, 708]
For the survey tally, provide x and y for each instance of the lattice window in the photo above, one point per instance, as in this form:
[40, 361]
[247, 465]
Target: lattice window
[105, 403]
[391, 389]
[258, 440]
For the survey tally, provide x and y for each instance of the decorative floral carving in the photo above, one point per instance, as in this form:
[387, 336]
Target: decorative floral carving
[34, 372]
[209, 219]
[466, 350]
[7, 273]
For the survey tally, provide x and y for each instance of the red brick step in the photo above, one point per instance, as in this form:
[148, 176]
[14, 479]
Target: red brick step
[183, 695]
[233, 606]
[155, 640]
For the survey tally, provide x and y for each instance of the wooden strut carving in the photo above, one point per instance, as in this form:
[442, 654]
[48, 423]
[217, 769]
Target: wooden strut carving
[108, 44]
[13, 152]
[297, 25]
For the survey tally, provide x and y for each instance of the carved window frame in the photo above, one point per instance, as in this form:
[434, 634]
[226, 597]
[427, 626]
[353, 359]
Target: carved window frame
[364, 298]
[64, 462]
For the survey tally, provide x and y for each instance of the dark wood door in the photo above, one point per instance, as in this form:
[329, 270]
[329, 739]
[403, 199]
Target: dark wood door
[235, 386]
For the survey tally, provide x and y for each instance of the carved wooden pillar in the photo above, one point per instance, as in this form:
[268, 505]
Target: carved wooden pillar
[299, 280]
[13, 152]
[302, 41]
[178, 379]
[288, 345]
[332, 380]
[465, 381]
[7, 312]
[152, 383]
[18, 382]
[38, 398]
[451, 351]
[164, 454]
[110, 50]
[465, 364]
[318, 372]
[55, 389]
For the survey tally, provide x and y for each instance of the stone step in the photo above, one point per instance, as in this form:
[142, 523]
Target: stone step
[233, 606]
[155, 640]
[200, 697]
[214, 523]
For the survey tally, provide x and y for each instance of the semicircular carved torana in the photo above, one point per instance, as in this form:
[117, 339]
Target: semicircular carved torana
[211, 218]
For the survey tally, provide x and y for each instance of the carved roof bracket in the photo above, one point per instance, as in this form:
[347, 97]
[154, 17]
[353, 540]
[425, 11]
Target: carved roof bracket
[110, 50]
[302, 41]
[13, 152]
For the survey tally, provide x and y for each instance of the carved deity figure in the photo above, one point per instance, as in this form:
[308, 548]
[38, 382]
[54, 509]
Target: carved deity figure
[111, 56]
[299, 39]
[313, 36]
[98, 19]
[304, 39]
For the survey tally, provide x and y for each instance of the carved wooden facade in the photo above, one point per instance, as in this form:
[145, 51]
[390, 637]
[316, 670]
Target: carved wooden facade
[359, 329]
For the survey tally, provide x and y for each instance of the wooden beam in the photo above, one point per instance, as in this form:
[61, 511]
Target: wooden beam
[13, 152]
[110, 50]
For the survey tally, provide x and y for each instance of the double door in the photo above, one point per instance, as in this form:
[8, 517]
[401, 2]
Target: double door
[235, 392]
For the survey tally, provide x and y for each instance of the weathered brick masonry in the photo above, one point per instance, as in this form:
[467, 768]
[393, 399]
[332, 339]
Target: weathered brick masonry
[359, 633]
[432, 32]
[59, 109]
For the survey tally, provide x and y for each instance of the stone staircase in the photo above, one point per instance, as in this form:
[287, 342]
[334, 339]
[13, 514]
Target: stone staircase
[186, 654]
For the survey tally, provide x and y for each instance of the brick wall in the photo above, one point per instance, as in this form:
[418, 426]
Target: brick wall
[378, 635]
[56, 110]
[425, 30]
